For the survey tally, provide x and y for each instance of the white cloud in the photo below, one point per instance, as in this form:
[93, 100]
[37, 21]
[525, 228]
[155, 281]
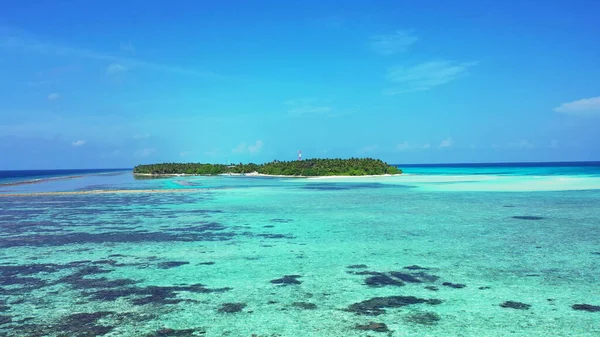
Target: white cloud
[185, 153]
[53, 96]
[524, 144]
[39, 83]
[309, 110]
[253, 148]
[390, 44]
[368, 149]
[256, 147]
[115, 68]
[306, 107]
[147, 152]
[127, 47]
[582, 107]
[425, 76]
[405, 146]
[27, 44]
[448, 142]
[79, 143]
[240, 148]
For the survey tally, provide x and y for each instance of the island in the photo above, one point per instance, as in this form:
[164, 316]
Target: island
[297, 168]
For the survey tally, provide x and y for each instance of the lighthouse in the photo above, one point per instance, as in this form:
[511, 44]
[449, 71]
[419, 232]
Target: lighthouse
[299, 155]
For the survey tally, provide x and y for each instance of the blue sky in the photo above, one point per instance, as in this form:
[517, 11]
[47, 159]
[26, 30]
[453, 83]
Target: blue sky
[117, 83]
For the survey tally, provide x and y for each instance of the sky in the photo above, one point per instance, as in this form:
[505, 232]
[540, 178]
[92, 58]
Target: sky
[107, 84]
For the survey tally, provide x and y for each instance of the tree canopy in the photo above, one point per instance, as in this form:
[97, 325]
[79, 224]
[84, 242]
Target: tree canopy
[307, 168]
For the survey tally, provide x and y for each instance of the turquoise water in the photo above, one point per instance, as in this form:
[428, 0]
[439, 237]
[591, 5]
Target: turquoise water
[435, 252]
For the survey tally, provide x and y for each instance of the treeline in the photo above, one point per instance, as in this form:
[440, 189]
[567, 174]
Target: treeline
[308, 167]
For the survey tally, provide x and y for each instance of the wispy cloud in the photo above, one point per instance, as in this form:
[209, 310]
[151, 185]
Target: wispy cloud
[33, 45]
[308, 107]
[406, 146]
[582, 107]
[115, 68]
[146, 152]
[79, 143]
[39, 83]
[256, 147]
[448, 142]
[525, 144]
[127, 47]
[53, 96]
[425, 76]
[390, 44]
[368, 149]
[252, 148]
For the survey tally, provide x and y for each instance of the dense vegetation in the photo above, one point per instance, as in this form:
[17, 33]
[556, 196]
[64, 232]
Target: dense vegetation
[309, 167]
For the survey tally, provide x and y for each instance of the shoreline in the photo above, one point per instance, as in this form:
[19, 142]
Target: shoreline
[256, 174]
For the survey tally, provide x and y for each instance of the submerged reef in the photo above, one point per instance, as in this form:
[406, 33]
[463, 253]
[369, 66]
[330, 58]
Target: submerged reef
[586, 307]
[527, 217]
[375, 306]
[454, 285]
[372, 326]
[304, 305]
[287, 280]
[394, 278]
[515, 305]
[422, 317]
[231, 307]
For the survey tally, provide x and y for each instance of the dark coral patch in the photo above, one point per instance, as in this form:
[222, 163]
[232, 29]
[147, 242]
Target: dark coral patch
[375, 306]
[432, 288]
[151, 294]
[515, 305]
[415, 267]
[4, 319]
[171, 264]
[84, 324]
[231, 307]
[454, 285]
[209, 263]
[166, 332]
[424, 318]
[425, 277]
[304, 305]
[382, 280]
[527, 217]
[586, 307]
[276, 236]
[405, 277]
[281, 220]
[287, 279]
[357, 266]
[372, 326]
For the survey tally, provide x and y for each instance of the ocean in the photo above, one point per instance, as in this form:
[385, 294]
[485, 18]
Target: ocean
[442, 250]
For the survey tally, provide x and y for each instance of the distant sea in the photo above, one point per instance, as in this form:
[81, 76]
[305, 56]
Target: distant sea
[33, 175]
[442, 250]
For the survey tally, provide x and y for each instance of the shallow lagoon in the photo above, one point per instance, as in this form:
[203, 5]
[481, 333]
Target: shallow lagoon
[420, 255]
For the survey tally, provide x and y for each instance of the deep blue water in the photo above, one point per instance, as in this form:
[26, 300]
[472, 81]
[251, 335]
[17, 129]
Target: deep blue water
[521, 169]
[29, 175]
